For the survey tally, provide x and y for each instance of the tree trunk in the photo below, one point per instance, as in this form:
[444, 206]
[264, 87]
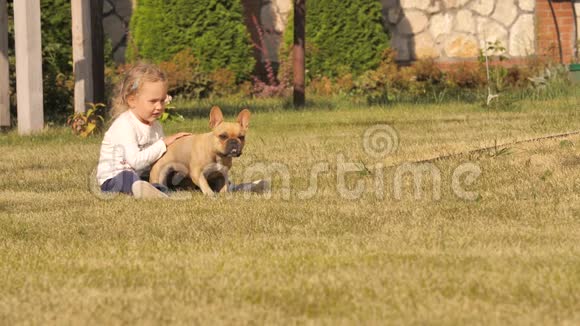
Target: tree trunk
[82, 53]
[4, 77]
[98, 51]
[299, 50]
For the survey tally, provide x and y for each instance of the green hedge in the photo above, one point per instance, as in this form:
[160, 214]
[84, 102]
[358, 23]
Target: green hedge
[213, 29]
[342, 36]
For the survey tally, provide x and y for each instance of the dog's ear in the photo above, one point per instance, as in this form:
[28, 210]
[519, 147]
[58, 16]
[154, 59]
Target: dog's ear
[215, 117]
[244, 118]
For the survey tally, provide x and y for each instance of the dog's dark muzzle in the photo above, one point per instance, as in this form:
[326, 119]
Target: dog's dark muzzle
[233, 148]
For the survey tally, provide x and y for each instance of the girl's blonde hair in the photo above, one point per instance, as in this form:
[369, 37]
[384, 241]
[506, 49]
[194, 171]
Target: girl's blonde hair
[132, 82]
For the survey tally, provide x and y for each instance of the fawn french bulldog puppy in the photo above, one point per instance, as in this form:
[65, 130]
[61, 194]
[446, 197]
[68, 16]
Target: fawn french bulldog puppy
[205, 158]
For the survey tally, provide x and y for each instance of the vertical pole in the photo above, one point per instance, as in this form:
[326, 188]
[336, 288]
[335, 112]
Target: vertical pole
[558, 35]
[298, 51]
[4, 72]
[98, 51]
[82, 55]
[28, 66]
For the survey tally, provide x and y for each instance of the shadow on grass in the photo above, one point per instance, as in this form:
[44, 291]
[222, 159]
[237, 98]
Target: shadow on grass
[201, 108]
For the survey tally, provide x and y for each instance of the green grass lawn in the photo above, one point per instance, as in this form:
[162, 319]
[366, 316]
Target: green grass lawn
[509, 256]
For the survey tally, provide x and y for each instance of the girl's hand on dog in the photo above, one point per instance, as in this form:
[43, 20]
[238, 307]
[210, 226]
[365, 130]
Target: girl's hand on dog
[169, 140]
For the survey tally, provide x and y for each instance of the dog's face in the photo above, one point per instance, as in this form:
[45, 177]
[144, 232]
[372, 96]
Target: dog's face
[229, 137]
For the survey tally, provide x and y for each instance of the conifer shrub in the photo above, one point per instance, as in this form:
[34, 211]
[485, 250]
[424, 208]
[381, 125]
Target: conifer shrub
[342, 36]
[214, 30]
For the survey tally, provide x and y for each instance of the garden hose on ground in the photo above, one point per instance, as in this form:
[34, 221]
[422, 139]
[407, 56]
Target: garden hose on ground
[478, 150]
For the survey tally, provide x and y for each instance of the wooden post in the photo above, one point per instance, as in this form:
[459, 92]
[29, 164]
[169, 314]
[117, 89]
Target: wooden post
[98, 51]
[28, 66]
[82, 53]
[299, 46]
[4, 72]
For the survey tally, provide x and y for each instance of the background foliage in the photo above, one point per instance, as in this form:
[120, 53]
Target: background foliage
[213, 29]
[343, 36]
[205, 49]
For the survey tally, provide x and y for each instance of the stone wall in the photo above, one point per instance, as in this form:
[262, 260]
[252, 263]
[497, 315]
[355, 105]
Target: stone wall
[450, 30]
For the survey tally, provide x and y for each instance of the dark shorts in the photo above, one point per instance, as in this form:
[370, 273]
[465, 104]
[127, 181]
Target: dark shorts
[123, 182]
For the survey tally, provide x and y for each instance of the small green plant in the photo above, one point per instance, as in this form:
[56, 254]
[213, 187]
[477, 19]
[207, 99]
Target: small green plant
[497, 150]
[566, 144]
[493, 49]
[170, 113]
[87, 123]
[547, 174]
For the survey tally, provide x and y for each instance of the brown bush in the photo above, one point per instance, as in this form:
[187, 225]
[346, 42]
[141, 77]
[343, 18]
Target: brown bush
[344, 83]
[467, 74]
[184, 75]
[180, 68]
[388, 67]
[245, 89]
[517, 76]
[224, 82]
[427, 70]
[321, 86]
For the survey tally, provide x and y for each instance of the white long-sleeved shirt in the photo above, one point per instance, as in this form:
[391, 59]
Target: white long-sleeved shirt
[129, 144]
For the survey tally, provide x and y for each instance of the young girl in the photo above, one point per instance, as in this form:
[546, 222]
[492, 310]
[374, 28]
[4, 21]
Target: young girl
[135, 140]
